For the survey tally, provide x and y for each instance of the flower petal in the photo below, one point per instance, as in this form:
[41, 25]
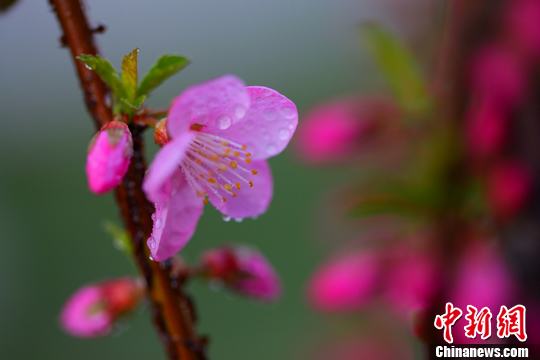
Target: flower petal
[77, 317]
[175, 220]
[164, 165]
[250, 201]
[215, 104]
[268, 125]
[109, 157]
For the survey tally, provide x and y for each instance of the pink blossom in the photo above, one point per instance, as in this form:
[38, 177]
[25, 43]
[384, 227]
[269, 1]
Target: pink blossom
[334, 130]
[523, 27]
[486, 129]
[108, 157]
[345, 283]
[221, 133]
[498, 75]
[509, 186]
[92, 310]
[482, 280]
[244, 270]
[411, 281]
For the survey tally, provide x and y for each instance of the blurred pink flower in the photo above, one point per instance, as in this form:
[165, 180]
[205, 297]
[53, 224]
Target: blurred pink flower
[334, 130]
[482, 280]
[92, 310]
[345, 283]
[523, 27]
[108, 157]
[486, 129]
[497, 75]
[509, 186]
[221, 133]
[411, 281]
[244, 270]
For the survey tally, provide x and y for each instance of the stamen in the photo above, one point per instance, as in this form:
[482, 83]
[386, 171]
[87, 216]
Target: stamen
[212, 166]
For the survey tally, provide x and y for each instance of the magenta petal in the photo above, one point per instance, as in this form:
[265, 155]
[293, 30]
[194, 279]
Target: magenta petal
[108, 157]
[175, 220]
[260, 280]
[84, 314]
[250, 201]
[164, 165]
[215, 104]
[269, 124]
[345, 283]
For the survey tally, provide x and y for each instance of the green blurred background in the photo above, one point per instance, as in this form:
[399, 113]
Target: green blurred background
[51, 226]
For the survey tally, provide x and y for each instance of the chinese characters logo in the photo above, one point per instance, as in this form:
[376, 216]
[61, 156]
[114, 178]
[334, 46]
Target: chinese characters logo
[509, 322]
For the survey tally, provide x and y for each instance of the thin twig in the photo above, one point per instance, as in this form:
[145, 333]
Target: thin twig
[172, 310]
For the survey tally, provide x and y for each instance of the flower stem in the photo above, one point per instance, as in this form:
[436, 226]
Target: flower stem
[172, 309]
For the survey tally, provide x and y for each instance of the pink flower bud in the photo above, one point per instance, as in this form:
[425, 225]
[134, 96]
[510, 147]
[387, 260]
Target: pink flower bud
[523, 27]
[92, 310]
[346, 283]
[411, 281]
[498, 75]
[509, 185]
[220, 263]
[243, 270]
[486, 129]
[108, 157]
[161, 135]
[333, 131]
[482, 279]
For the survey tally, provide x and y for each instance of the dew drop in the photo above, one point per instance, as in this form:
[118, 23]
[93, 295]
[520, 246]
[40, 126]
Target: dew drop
[151, 243]
[158, 223]
[240, 112]
[224, 122]
[88, 67]
[238, 220]
[288, 112]
[226, 218]
[269, 115]
[270, 149]
[283, 134]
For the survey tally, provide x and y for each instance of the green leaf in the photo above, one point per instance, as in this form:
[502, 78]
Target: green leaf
[131, 106]
[120, 237]
[399, 68]
[106, 72]
[165, 67]
[129, 73]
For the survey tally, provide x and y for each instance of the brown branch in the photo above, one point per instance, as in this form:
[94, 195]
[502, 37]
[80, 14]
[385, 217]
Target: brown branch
[173, 313]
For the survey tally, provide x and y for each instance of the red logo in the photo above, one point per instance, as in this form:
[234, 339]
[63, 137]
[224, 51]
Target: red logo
[509, 322]
[447, 320]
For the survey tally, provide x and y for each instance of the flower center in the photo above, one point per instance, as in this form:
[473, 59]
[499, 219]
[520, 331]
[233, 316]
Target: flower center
[215, 166]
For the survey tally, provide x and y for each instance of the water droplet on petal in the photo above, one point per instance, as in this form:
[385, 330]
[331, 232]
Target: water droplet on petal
[224, 122]
[238, 220]
[151, 243]
[288, 112]
[88, 67]
[240, 112]
[226, 218]
[269, 115]
[270, 149]
[158, 223]
[283, 134]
